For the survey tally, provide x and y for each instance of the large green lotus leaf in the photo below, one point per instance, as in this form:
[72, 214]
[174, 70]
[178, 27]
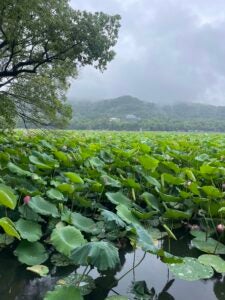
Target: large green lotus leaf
[60, 260]
[39, 164]
[209, 246]
[102, 255]
[150, 200]
[66, 188]
[9, 227]
[39, 269]
[27, 213]
[109, 181]
[212, 192]
[170, 179]
[31, 253]
[111, 217]
[118, 198]
[148, 162]
[214, 261]
[81, 222]
[152, 181]
[170, 198]
[191, 269]
[176, 214]
[67, 293]
[117, 298]
[67, 238]
[201, 235]
[144, 239]
[7, 197]
[43, 207]
[86, 283]
[29, 230]
[56, 195]
[17, 170]
[75, 178]
[126, 215]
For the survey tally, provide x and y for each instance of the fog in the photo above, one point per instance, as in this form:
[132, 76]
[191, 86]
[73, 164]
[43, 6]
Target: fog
[168, 51]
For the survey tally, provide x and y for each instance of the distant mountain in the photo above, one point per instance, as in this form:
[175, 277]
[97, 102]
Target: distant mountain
[130, 113]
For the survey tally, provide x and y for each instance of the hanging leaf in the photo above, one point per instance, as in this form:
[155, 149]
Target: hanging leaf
[102, 255]
[43, 207]
[7, 197]
[29, 230]
[209, 246]
[9, 227]
[39, 269]
[214, 261]
[31, 253]
[191, 269]
[61, 292]
[67, 238]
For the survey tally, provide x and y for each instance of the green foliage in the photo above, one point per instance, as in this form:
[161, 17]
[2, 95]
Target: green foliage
[41, 46]
[102, 255]
[87, 195]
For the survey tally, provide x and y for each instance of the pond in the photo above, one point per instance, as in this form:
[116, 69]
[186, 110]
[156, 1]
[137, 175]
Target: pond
[18, 284]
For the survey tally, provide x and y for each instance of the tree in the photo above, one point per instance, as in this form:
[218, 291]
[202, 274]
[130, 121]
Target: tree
[43, 44]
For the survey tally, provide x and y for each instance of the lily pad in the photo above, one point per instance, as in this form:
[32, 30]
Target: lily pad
[31, 253]
[39, 269]
[209, 246]
[67, 238]
[191, 269]
[214, 261]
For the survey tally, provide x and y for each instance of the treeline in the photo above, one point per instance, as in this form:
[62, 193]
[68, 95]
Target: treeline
[128, 113]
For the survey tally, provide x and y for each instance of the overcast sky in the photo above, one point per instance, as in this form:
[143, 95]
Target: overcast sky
[168, 50]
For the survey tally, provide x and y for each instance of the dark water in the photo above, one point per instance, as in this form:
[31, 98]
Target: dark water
[18, 284]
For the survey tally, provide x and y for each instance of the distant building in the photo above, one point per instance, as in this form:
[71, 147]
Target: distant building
[132, 117]
[114, 119]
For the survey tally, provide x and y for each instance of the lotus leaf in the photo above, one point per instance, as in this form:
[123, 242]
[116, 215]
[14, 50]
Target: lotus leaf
[102, 255]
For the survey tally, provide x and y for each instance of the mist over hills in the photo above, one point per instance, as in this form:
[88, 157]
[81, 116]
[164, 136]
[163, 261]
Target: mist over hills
[130, 113]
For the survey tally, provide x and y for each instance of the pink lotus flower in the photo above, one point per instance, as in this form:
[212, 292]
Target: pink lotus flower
[26, 199]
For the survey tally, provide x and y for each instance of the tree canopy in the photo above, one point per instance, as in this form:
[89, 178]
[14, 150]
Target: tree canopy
[42, 44]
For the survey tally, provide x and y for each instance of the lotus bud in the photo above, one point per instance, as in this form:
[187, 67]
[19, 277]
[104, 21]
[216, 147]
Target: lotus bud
[26, 199]
[220, 228]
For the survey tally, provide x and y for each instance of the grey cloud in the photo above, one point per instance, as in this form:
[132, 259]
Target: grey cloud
[168, 51]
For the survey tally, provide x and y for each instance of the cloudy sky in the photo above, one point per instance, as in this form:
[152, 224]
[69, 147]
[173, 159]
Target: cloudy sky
[168, 50]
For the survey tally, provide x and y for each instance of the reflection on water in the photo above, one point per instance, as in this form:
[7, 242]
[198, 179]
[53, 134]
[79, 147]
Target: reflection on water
[151, 276]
